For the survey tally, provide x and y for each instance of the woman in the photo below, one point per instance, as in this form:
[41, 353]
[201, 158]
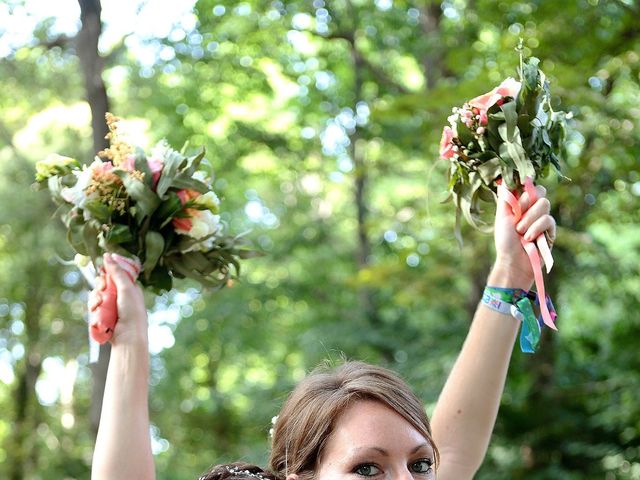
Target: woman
[353, 422]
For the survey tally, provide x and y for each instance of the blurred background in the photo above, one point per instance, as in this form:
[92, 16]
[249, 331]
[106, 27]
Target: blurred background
[322, 120]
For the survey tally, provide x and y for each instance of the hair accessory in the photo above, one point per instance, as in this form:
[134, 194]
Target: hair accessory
[234, 471]
[519, 304]
[246, 473]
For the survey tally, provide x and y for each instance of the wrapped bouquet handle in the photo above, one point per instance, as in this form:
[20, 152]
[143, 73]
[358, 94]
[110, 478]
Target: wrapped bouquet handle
[532, 252]
[103, 300]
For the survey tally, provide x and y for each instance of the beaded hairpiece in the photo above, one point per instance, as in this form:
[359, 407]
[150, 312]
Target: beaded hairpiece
[246, 473]
[236, 471]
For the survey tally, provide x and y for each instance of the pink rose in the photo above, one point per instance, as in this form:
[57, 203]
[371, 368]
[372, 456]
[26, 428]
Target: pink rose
[101, 168]
[128, 164]
[186, 195]
[508, 88]
[183, 225]
[446, 144]
[155, 165]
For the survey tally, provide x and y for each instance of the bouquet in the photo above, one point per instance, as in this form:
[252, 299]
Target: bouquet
[497, 145]
[503, 136]
[156, 213]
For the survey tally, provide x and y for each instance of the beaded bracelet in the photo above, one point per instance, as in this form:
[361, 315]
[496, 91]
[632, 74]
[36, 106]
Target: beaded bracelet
[519, 304]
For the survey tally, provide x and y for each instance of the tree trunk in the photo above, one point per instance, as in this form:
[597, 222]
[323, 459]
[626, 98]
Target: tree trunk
[24, 456]
[92, 64]
[432, 63]
[361, 182]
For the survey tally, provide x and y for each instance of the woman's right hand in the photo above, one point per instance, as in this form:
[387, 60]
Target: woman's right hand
[131, 328]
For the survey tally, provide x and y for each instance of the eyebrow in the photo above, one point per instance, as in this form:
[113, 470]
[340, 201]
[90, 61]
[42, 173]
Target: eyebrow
[385, 453]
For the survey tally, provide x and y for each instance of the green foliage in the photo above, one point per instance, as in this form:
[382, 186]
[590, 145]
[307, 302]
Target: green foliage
[295, 102]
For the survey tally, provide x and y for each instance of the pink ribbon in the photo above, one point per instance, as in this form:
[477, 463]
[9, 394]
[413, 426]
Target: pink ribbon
[103, 303]
[532, 252]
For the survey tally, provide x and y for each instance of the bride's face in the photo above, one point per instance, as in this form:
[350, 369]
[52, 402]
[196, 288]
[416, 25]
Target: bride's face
[372, 441]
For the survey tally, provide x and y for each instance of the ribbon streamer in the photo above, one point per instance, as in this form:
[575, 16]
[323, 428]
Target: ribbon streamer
[519, 304]
[103, 303]
[532, 252]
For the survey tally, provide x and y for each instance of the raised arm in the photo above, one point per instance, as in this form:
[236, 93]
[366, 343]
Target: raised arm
[123, 445]
[468, 405]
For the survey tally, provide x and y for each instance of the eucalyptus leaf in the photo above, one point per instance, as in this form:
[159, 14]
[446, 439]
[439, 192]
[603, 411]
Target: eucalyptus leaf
[168, 209]
[98, 210]
[172, 163]
[90, 239]
[142, 165]
[119, 233]
[188, 183]
[154, 246]
[146, 200]
[511, 119]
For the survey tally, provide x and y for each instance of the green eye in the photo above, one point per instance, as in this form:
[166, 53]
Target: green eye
[366, 470]
[422, 466]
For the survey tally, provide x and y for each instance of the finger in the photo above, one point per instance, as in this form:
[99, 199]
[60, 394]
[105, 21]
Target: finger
[525, 200]
[546, 223]
[120, 277]
[537, 210]
[100, 283]
[129, 267]
[129, 264]
[95, 299]
[508, 205]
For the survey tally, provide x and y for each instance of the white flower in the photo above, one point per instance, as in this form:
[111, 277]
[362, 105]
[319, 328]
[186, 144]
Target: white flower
[203, 224]
[208, 200]
[54, 164]
[76, 195]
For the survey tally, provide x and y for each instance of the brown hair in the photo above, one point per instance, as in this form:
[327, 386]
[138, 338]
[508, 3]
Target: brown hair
[308, 417]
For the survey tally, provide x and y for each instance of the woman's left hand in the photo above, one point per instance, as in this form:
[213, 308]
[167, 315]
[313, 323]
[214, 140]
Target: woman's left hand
[512, 267]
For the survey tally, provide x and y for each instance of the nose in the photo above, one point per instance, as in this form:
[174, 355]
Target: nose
[403, 474]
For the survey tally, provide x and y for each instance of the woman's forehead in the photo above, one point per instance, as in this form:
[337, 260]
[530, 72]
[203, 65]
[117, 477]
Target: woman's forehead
[371, 423]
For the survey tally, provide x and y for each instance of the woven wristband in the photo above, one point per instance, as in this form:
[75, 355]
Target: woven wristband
[519, 304]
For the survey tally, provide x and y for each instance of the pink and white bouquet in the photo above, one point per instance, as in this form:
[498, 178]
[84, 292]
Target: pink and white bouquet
[505, 135]
[498, 144]
[159, 211]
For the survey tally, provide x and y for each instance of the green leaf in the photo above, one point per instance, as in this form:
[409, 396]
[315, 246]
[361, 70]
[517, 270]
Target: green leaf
[511, 119]
[188, 183]
[465, 134]
[142, 165]
[146, 200]
[194, 162]
[490, 170]
[119, 233]
[159, 279]
[168, 209]
[516, 153]
[90, 234]
[154, 246]
[98, 210]
[75, 237]
[172, 163]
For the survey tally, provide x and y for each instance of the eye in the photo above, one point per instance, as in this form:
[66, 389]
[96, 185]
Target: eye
[366, 470]
[422, 466]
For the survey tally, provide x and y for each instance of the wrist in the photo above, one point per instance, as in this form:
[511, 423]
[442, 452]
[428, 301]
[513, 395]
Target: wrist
[130, 345]
[507, 275]
[130, 361]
